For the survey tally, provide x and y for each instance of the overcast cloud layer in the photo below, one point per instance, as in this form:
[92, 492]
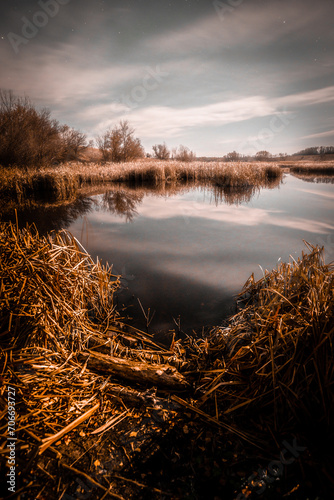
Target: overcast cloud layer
[215, 76]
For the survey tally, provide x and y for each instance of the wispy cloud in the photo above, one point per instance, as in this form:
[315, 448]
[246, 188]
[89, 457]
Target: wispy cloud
[328, 133]
[317, 96]
[170, 121]
[247, 26]
[225, 76]
[153, 121]
[228, 214]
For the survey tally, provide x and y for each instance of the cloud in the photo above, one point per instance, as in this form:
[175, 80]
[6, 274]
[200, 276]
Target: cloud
[153, 121]
[251, 64]
[235, 215]
[171, 121]
[246, 25]
[328, 133]
[317, 96]
[64, 72]
[317, 193]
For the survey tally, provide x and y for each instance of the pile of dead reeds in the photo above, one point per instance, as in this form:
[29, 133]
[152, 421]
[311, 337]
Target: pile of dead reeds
[51, 290]
[67, 354]
[275, 358]
[60, 333]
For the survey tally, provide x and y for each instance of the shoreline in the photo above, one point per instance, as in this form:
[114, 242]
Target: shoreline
[217, 384]
[63, 182]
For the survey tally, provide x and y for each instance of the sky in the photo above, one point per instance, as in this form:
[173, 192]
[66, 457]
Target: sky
[216, 76]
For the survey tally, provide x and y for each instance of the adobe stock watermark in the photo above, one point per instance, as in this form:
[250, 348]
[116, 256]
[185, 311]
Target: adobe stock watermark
[30, 27]
[224, 8]
[151, 80]
[277, 124]
[274, 470]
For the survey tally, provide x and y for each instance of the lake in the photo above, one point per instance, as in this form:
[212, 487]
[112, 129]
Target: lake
[185, 253]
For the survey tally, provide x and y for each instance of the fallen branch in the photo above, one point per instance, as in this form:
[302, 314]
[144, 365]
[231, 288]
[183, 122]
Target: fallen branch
[158, 375]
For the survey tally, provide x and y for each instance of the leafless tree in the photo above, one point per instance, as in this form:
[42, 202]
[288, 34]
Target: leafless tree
[119, 144]
[183, 153]
[262, 156]
[161, 151]
[233, 156]
[30, 137]
[74, 142]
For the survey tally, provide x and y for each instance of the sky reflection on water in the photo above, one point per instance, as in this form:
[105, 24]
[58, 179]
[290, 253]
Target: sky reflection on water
[188, 251]
[187, 255]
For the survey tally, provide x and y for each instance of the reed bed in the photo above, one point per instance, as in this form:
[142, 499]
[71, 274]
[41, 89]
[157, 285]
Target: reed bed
[63, 182]
[51, 289]
[65, 350]
[312, 167]
[72, 361]
[274, 361]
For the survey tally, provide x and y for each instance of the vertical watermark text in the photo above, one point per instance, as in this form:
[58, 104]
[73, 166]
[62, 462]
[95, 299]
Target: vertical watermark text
[11, 440]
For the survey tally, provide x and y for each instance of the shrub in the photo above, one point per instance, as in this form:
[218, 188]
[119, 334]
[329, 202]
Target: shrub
[182, 153]
[119, 144]
[30, 137]
[161, 152]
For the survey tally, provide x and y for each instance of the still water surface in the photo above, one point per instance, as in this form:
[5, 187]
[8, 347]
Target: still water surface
[188, 253]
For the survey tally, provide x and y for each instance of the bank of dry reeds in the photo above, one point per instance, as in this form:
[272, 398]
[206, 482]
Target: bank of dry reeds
[64, 182]
[71, 360]
[274, 360]
[66, 357]
[312, 167]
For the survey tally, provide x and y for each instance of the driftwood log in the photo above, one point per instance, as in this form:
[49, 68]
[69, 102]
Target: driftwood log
[159, 375]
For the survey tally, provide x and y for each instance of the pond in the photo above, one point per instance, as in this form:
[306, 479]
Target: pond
[185, 253]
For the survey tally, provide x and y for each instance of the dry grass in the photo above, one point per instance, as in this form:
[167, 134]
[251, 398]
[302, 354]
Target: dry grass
[274, 360]
[65, 181]
[56, 303]
[311, 167]
[270, 371]
[51, 290]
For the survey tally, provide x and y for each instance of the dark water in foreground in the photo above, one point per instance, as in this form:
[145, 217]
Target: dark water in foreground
[188, 253]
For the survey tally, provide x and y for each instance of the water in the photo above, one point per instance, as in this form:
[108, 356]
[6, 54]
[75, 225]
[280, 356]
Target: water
[186, 254]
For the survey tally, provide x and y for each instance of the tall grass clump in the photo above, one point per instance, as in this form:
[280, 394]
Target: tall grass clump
[273, 363]
[57, 312]
[51, 290]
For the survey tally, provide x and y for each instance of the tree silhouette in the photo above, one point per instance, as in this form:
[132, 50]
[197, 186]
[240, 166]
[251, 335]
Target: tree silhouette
[119, 144]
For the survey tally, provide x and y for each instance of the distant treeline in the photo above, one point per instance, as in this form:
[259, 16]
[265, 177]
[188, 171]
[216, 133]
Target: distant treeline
[30, 137]
[316, 151]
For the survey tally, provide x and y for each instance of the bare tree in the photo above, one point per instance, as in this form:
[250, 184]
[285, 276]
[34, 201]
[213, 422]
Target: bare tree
[161, 151]
[73, 142]
[30, 137]
[262, 156]
[182, 153]
[119, 144]
[233, 156]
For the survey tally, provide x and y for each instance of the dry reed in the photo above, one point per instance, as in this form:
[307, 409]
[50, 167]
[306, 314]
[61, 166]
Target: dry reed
[64, 182]
[312, 167]
[274, 360]
[56, 313]
[269, 371]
